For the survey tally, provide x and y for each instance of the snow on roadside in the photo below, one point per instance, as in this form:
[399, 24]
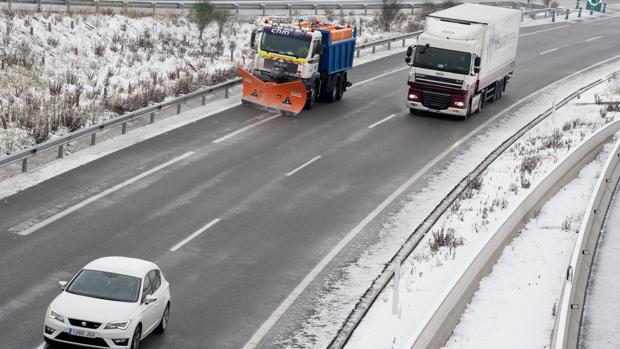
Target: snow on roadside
[338, 296]
[525, 284]
[430, 271]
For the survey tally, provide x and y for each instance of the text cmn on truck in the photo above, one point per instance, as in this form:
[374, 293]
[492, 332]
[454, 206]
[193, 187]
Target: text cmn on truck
[297, 63]
[463, 59]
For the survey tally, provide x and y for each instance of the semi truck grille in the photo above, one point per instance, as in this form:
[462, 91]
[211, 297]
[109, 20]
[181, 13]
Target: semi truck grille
[438, 81]
[287, 67]
[435, 100]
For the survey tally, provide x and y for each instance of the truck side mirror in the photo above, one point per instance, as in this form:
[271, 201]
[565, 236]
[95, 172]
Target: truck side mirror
[477, 62]
[476, 70]
[409, 51]
[408, 60]
[253, 39]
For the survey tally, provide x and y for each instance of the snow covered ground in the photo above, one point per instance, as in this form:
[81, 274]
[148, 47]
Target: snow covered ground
[61, 72]
[600, 321]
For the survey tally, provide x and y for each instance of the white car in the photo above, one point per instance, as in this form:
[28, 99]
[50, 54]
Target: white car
[113, 302]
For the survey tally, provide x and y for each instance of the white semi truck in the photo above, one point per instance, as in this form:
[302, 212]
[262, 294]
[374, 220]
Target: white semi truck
[463, 59]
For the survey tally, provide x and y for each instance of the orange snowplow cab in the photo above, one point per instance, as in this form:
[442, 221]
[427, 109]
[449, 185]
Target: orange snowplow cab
[288, 98]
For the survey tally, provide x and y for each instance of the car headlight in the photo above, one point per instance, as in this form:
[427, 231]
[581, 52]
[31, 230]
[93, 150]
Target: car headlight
[54, 315]
[119, 325]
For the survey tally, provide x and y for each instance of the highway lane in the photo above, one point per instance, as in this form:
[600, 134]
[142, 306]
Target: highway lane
[273, 229]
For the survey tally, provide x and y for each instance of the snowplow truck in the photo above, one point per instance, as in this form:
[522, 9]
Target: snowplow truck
[297, 63]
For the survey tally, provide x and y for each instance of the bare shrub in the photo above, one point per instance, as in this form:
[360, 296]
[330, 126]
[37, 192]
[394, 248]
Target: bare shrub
[52, 41]
[554, 141]
[71, 78]
[99, 50]
[529, 164]
[525, 182]
[221, 17]
[445, 238]
[567, 224]
[390, 10]
[202, 15]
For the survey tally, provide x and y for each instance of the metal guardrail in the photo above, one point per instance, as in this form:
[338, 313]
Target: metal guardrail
[122, 120]
[387, 275]
[245, 6]
[570, 305]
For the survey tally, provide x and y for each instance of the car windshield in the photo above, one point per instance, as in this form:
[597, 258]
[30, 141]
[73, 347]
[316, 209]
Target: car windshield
[285, 45]
[442, 59]
[104, 285]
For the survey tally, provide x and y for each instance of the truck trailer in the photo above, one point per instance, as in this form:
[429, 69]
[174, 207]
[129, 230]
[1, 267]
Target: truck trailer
[296, 63]
[463, 59]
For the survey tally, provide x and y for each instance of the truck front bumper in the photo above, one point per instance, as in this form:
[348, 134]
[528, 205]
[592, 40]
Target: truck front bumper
[449, 111]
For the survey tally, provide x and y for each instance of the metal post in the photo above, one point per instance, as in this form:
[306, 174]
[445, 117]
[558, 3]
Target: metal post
[389, 46]
[567, 14]
[263, 7]
[341, 10]
[358, 53]
[25, 165]
[226, 93]
[68, 5]
[152, 117]
[553, 110]
[178, 108]
[61, 151]
[290, 9]
[204, 100]
[124, 128]
[236, 8]
[10, 5]
[579, 14]
[93, 139]
[604, 7]
[96, 3]
[553, 16]
[591, 12]
[154, 4]
[38, 5]
[316, 9]
[404, 42]
[365, 9]
[373, 49]
[577, 5]
[395, 298]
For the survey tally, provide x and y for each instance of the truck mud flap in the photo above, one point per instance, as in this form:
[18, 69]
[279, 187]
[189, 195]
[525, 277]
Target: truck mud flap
[288, 98]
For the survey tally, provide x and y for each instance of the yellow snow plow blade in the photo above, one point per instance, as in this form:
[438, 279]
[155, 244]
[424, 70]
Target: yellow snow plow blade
[288, 98]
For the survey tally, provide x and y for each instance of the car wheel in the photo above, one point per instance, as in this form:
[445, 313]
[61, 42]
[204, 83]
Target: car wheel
[135, 341]
[163, 323]
[50, 343]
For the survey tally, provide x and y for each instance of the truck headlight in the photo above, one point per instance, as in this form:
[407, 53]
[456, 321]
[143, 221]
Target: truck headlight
[459, 104]
[413, 96]
[119, 325]
[56, 316]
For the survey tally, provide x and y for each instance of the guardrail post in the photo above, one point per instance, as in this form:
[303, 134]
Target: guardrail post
[341, 7]
[262, 6]
[365, 9]
[226, 93]
[152, 118]
[395, 297]
[290, 9]
[553, 16]
[567, 14]
[236, 6]
[93, 139]
[96, 3]
[204, 100]
[579, 14]
[358, 53]
[178, 108]
[604, 7]
[68, 5]
[373, 49]
[389, 46]
[25, 165]
[61, 151]
[39, 5]
[316, 9]
[124, 128]
[154, 5]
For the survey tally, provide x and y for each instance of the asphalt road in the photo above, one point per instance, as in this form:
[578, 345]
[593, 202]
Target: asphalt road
[277, 220]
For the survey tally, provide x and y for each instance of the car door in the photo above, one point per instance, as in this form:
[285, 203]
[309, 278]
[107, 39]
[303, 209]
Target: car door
[149, 311]
[158, 292]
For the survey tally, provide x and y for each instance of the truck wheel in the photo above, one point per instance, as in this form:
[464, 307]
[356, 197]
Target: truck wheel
[412, 111]
[339, 88]
[313, 96]
[330, 93]
[468, 113]
[500, 89]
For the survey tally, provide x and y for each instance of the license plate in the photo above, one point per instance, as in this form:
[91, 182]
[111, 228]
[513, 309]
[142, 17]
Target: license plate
[81, 333]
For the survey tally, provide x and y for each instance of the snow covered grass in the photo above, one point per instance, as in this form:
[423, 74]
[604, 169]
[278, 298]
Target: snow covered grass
[475, 216]
[63, 71]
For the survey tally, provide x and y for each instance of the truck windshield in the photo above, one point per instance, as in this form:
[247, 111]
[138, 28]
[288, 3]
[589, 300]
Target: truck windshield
[285, 45]
[442, 59]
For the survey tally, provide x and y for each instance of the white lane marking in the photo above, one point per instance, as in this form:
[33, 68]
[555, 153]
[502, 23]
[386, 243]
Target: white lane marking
[304, 165]
[41, 346]
[545, 52]
[544, 30]
[377, 77]
[283, 307]
[246, 128]
[196, 233]
[94, 198]
[602, 19]
[382, 121]
[594, 38]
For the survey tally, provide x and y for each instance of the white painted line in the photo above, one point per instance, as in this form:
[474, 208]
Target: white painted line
[602, 19]
[304, 165]
[246, 128]
[382, 121]
[545, 52]
[377, 77]
[41, 346]
[94, 198]
[594, 38]
[544, 30]
[198, 232]
[290, 299]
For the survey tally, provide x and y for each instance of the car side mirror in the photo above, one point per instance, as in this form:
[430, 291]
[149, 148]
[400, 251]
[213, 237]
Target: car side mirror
[476, 70]
[253, 39]
[149, 299]
[477, 62]
[62, 284]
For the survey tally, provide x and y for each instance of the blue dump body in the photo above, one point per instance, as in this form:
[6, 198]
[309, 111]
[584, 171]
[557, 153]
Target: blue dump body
[337, 56]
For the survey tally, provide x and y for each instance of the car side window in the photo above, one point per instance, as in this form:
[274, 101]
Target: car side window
[155, 280]
[146, 287]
